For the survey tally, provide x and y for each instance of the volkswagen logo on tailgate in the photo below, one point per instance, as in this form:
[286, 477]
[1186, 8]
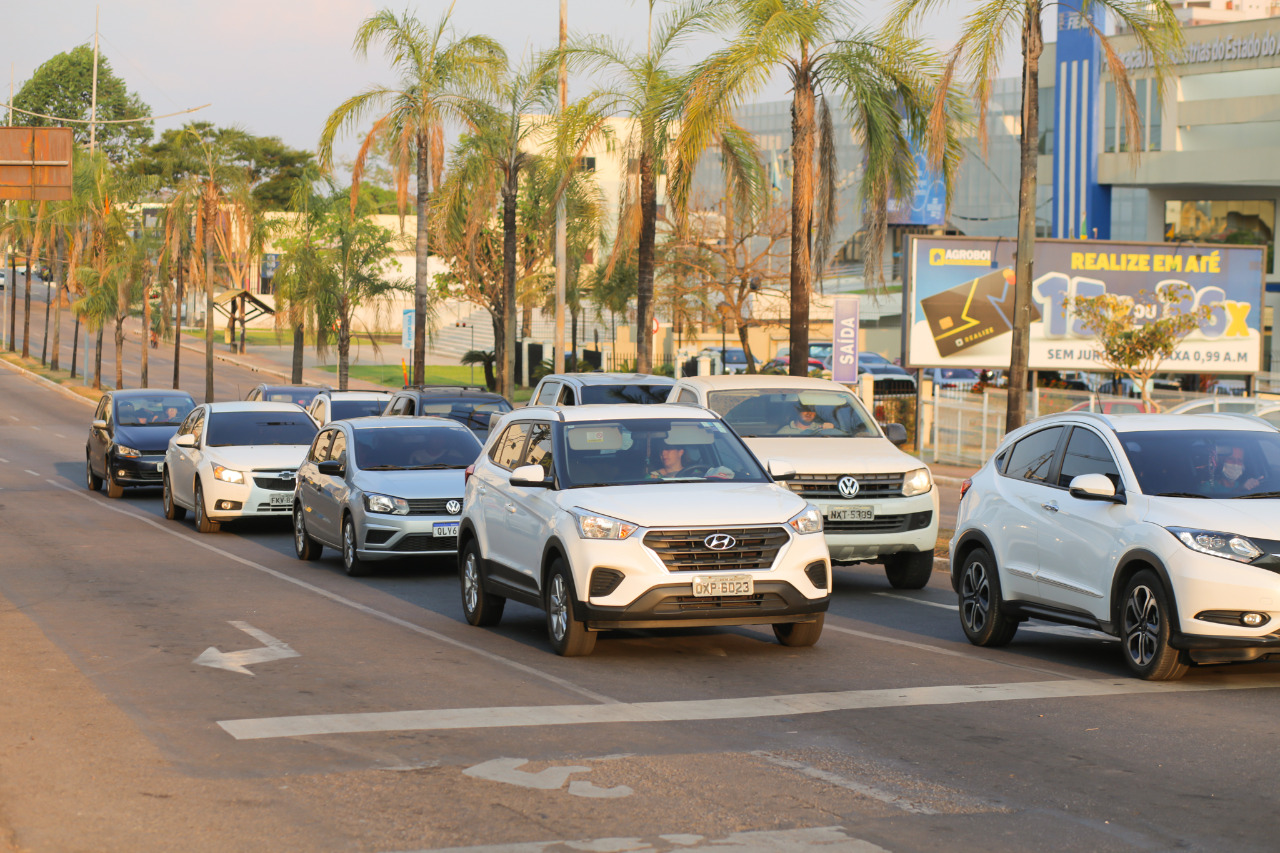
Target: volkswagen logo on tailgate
[720, 542]
[848, 486]
[453, 507]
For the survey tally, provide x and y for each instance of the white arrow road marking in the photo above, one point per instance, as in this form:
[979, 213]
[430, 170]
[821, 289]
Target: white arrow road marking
[272, 649]
[552, 779]
[819, 838]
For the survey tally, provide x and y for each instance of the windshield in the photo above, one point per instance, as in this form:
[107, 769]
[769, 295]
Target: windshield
[956, 373]
[157, 410]
[792, 412]
[630, 452]
[624, 393]
[473, 414]
[1205, 463]
[414, 448]
[239, 429]
[343, 409]
[301, 396]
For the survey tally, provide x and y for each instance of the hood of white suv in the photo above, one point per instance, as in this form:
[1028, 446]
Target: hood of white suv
[831, 455]
[701, 504]
[268, 457]
[1254, 518]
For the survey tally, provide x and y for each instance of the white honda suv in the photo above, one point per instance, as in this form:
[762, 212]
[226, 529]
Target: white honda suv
[1152, 528]
[631, 516]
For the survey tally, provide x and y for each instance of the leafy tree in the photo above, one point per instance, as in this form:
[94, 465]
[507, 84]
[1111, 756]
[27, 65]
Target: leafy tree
[885, 80]
[978, 51]
[1136, 347]
[63, 87]
[437, 75]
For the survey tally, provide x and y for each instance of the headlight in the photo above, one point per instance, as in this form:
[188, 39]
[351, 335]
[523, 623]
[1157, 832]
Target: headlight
[591, 526]
[227, 475]
[809, 520]
[1229, 546]
[121, 450]
[916, 482]
[386, 504]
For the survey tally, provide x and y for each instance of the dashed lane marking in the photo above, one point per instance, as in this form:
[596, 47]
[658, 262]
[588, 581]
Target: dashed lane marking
[32, 473]
[723, 709]
[820, 838]
[355, 605]
[1055, 630]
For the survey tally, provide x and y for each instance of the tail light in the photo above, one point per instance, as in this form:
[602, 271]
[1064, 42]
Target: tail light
[964, 487]
[471, 469]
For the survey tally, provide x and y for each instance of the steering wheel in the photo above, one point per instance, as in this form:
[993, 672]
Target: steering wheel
[694, 471]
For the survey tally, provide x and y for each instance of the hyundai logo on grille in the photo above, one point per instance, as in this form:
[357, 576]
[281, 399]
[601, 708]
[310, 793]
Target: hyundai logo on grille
[848, 486]
[453, 507]
[720, 542]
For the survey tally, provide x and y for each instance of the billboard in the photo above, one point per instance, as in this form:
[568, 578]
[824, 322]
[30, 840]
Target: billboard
[960, 298]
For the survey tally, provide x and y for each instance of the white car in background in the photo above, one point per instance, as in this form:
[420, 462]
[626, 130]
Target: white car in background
[340, 405]
[235, 460]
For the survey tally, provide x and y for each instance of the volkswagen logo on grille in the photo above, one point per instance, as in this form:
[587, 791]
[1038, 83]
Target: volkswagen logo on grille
[720, 542]
[453, 507]
[848, 486]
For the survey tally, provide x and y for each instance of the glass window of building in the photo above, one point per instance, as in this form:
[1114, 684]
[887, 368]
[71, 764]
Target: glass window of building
[1109, 123]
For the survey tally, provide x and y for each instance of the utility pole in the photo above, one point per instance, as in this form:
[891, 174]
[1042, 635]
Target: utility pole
[11, 297]
[561, 225]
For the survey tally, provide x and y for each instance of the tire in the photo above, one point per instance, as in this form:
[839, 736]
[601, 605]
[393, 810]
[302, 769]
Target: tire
[91, 480]
[909, 571]
[1145, 618]
[351, 561]
[203, 523]
[303, 545]
[481, 608]
[569, 637]
[115, 491]
[798, 634]
[172, 511]
[982, 613]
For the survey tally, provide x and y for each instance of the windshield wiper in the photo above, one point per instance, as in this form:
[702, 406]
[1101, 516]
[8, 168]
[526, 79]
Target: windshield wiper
[1257, 495]
[383, 468]
[436, 467]
[1181, 495]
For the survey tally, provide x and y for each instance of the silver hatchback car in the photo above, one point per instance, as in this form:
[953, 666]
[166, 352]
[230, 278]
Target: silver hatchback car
[380, 488]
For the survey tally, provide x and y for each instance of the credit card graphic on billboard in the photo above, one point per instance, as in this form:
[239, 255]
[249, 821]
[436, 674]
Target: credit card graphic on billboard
[972, 312]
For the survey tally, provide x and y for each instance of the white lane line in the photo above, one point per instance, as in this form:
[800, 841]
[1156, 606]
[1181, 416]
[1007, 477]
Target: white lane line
[59, 435]
[818, 838]
[950, 607]
[722, 709]
[5, 461]
[849, 784]
[355, 605]
[15, 417]
[32, 473]
[1055, 630]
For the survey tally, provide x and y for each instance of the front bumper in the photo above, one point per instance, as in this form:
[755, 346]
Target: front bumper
[774, 602]
[1204, 584]
[225, 500]
[384, 537]
[145, 470]
[899, 525]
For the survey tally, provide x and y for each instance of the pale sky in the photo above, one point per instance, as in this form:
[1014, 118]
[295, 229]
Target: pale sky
[279, 67]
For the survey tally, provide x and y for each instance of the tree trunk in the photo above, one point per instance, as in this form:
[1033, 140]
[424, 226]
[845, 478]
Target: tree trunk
[499, 347]
[526, 319]
[802, 144]
[208, 310]
[745, 340]
[60, 248]
[75, 345]
[13, 302]
[299, 341]
[146, 330]
[97, 358]
[644, 255]
[177, 323]
[26, 310]
[1019, 355]
[119, 337]
[507, 367]
[48, 303]
[344, 343]
[420, 281]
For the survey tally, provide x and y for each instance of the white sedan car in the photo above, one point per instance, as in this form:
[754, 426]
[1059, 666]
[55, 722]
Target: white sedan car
[235, 460]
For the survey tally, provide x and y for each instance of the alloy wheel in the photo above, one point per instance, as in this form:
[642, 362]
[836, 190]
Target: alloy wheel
[1141, 625]
[558, 607]
[470, 583]
[975, 596]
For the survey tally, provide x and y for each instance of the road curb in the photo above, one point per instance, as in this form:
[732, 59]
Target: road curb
[40, 380]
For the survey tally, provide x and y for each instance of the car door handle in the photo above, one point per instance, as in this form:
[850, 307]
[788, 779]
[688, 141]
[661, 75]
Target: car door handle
[1050, 507]
[481, 490]
[511, 507]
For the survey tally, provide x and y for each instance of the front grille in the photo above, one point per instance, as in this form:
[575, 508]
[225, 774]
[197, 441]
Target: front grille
[754, 548]
[268, 507]
[690, 603]
[426, 542]
[145, 475]
[432, 506]
[870, 486]
[881, 523]
[274, 482]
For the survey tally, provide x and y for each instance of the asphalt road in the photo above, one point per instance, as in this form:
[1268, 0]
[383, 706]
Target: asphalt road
[375, 718]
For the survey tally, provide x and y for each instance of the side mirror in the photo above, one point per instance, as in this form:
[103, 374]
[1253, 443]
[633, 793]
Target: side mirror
[185, 440]
[99, 424]
[530, 475]
[780, 469]
[331, 468]
[896, 433]
[1095, 487]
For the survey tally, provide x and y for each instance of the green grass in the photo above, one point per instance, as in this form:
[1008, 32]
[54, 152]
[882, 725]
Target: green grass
[270, 337]
[392, 376]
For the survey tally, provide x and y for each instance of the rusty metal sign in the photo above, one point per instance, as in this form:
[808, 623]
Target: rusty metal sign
[35, 163]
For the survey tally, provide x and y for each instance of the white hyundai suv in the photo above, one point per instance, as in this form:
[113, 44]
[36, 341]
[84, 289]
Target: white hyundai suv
[1156, 529]
[636, 516]
[878, 503]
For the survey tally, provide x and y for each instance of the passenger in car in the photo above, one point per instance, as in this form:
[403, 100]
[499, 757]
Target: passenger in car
[1231, 477]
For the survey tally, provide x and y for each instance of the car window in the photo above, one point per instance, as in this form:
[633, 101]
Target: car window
[1198, 463]
[1087, 453]
[338, 450]
[1032, 457]
[242, 429]
[197, 426]
[320, 447]
[655, 450]
[687, 397]
[409, 447]
[100, 414]
[539, 450]
[343, 409]
[812, 413]
[507, 450]
[645, 394]
[547, 394]
[567, 397]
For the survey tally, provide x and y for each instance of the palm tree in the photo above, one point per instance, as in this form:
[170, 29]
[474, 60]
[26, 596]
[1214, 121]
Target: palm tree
[300, 260]
[978, 50]
[176, 256]
[885, 80]
[648, 91]
[437, 75]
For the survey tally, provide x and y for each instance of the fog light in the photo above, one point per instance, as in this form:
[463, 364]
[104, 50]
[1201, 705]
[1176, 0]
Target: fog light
[1253, 620]
[122, 473]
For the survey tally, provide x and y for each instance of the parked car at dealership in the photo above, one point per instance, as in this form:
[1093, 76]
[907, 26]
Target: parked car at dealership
[129, 435]
[235, 460]
[379, 488]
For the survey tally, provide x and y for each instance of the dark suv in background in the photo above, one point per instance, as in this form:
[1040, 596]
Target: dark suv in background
[469, 405]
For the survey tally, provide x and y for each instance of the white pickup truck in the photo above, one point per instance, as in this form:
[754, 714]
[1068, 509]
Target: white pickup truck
[878, 503]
